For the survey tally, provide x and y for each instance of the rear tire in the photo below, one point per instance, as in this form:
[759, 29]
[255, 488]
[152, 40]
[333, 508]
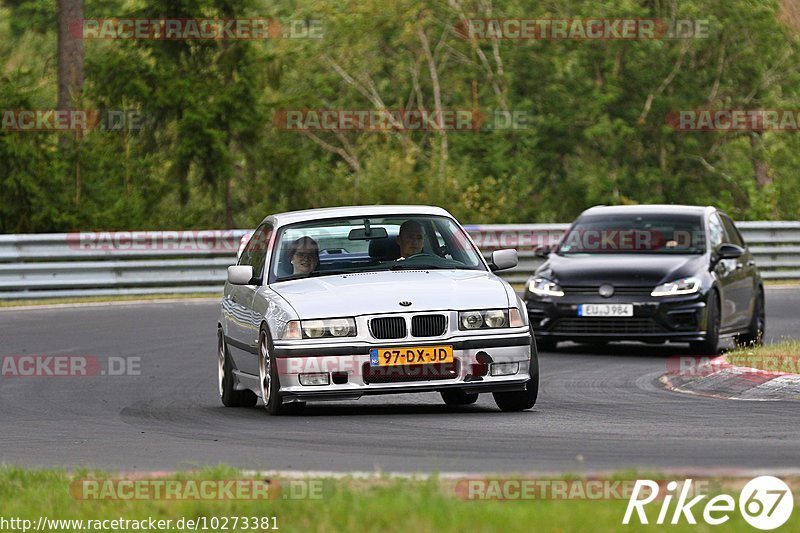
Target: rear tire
[710, 346]
[521, 400]
[227, 392]
[455, 397]
[755, 334]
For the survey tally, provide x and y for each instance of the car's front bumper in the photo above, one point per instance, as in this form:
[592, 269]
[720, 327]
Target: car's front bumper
[655, 319]
[351, 376]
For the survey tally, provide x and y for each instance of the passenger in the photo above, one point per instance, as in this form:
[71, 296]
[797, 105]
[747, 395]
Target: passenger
[304, 255]
[411, 239]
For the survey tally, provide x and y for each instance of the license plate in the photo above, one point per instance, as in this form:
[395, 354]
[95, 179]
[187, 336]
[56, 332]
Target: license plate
[605, 310]
[421, 355]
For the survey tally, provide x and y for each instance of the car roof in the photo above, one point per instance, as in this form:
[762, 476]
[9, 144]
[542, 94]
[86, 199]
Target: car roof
[292, 217]
[648, 209]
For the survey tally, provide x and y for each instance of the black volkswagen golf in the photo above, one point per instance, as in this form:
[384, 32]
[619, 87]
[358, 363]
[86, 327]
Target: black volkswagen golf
[651, 273]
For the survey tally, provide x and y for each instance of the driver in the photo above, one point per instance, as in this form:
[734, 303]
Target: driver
[411, 239]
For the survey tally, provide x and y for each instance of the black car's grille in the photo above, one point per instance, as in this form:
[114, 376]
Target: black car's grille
[399, 374]
[618, 291]
[428, 325]
[393, 327]
[614, 326]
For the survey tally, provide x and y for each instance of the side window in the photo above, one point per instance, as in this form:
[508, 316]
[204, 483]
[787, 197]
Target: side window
[734, 237]
[255, 253]
[716, 233]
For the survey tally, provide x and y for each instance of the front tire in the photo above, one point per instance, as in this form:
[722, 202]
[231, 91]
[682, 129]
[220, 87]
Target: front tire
[710, 346]
[755, 333]
[227, 382]
[268, 377]
[547, 344]
[521, 400]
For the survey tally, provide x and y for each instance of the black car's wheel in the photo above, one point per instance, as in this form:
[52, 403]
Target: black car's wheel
[710, 346]
[547, 345]
[227, 392]
[458, 397]
[268, 376]
[521, 400]
[758, 323]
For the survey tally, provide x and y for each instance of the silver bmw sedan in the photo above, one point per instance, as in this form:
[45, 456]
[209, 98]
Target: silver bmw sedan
[337, 303]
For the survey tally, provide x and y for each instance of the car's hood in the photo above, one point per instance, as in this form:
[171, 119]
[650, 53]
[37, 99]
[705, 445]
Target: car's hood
[382, 292]
[623, 270]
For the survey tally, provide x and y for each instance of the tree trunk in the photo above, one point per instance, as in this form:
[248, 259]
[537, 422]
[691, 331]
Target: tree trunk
[70, 71]
[70, 53]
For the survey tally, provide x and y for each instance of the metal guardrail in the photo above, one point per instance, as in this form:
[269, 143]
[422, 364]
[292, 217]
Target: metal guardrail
[163, 262]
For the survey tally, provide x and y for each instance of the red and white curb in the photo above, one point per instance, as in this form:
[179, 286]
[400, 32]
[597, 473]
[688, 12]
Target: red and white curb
[718, 378]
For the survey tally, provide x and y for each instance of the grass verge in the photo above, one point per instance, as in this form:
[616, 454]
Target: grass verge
[780, 357]
[375, 504]
[102, 299]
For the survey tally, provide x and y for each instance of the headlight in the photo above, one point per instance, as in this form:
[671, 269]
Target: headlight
[319, 329]
[544, 287]
[677, 287]
[486, 319]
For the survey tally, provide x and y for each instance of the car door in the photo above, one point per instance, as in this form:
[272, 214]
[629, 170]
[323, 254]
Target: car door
[725, 270]
[743, 282]
[243, 324]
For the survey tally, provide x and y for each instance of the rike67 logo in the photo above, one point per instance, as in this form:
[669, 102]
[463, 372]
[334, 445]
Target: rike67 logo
[765, 503]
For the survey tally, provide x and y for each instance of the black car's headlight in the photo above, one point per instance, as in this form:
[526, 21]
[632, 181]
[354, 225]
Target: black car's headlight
[321, 328]
[490, 319]
[543, 287]
[678, 287]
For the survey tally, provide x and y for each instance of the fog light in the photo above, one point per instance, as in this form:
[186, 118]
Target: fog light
[504, 369]
[319, 378]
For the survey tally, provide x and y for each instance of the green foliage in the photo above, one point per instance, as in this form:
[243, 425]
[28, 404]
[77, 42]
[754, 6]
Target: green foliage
[210, 155]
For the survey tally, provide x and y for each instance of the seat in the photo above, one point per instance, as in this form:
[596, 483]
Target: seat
[384, 249]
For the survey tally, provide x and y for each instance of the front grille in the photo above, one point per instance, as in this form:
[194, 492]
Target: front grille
[392, 327]
[618, 291]
[428, 325]
[614, 326]
[400, 374]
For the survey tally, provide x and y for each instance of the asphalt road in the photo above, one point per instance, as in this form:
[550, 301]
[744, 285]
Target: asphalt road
[598, 409]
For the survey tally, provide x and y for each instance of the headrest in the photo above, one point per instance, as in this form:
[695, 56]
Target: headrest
[385, 249]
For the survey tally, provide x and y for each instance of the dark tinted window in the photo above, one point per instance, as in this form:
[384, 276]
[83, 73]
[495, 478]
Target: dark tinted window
[635, 233]
[733, 235]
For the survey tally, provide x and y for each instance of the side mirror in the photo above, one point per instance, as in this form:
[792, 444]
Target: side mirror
[729, 251]
[503, 259]
[543, 251]
[240, 274]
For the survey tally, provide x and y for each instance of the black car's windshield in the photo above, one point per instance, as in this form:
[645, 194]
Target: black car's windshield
[645, 234]
[354, 245]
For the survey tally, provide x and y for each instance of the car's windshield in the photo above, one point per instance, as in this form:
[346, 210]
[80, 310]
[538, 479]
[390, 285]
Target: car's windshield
[648, 234]
[353, 245]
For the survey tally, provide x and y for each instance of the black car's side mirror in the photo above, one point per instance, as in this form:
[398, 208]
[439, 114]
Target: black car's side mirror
[543, 251]
[729, 251]
[726, 251]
